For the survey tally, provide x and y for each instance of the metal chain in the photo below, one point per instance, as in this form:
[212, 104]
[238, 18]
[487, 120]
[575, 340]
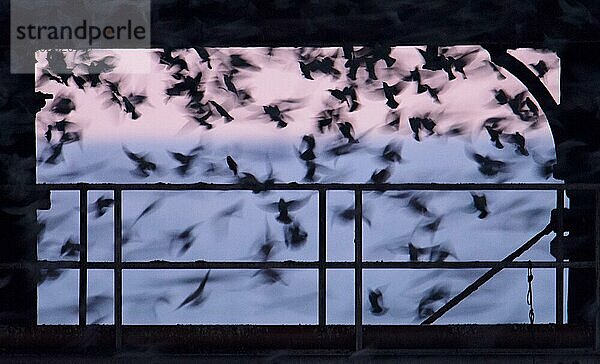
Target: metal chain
[530, 292]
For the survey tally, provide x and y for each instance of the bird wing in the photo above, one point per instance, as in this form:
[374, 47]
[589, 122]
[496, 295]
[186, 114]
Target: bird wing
[296, 204]
[415, 124]
[147, 210]
[134, 157]
[136, 99]
[273, 207]
[179, 157]
[196, 293]
[478, 158]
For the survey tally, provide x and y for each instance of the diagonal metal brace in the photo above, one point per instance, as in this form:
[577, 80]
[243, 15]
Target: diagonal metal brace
[487, 276]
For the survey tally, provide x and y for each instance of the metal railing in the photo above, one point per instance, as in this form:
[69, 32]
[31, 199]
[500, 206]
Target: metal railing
[322, 264]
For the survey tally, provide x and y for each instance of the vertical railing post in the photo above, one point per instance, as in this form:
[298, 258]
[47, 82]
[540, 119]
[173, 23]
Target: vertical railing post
[118, 272]
[322, 257]
[83, 237]
[358, 215]
[560, 271]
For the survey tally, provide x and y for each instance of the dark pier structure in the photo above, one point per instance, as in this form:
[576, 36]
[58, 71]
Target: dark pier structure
[570, 28]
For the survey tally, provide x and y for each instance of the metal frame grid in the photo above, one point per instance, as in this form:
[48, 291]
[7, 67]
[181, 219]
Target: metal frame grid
[322, 265]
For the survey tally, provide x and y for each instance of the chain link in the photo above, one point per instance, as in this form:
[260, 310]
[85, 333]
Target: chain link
[530, 293]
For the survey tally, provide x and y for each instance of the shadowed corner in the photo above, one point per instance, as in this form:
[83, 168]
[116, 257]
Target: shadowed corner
[18, 205]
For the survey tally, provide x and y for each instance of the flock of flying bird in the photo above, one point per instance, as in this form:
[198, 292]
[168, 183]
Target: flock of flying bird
[312, 63]
[204, 112]
[295, 237]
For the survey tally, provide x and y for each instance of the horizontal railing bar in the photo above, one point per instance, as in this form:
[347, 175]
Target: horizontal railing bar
[309, 186]
[342, 355]
[44, 264]
[472, 265]
[226, 338]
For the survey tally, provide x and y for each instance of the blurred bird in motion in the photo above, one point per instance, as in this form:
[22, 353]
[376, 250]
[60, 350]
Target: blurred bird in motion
[197, 297]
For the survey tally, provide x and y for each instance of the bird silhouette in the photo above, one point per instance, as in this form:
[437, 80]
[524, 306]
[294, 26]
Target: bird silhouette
[221, 111]
[166, 58]
[393, 121]
[97, 68]
[311, 171]
[62, 105]
[130, 102]
[520, 104]
[432, 297]
[496, 70]
[57, 69]
[501, 97]
[228, 81]
[295, 236]
[70, 137]
[249, 180]
[346, 95]
[376, 301]
[56, 151]
[284, 207]
[488, 166]
[390, 92]
[326, 119]
[202, 120]
[381, 176]
[275, 114]
[518, 140]
[341, 149]
[64, 127]
[70, 248]
[128, 232]
[391, 153]
[347, 131]
[418, 123]
[494, 136]
[306, 70]
[270, 276]
[184, 239]
[309, 143]
[48, 133]
[237, 61]
[413, 76]
[439, 254]
[186, 161]
[79, 81]
[324, 65]
[541, 68]
[348, 214]
[415, 253]
[266, 244]
[435, 61]
[101, 205]
[232, 164]
[197, 297]
[188, 85]
[42, 275]
[204, 56]
[480, 204]
[153, 206]
[460, 62]
[277, 111]
[221, 218]
[433, 92]
[545, 168]
[416, 204]
[143, 165]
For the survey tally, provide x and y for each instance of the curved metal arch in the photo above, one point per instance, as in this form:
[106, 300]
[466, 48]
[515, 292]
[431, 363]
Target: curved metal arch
[500, 56]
